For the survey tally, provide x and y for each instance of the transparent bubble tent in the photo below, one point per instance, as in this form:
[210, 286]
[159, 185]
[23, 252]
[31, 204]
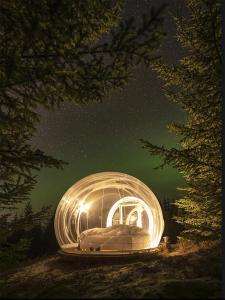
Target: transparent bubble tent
[109, 211]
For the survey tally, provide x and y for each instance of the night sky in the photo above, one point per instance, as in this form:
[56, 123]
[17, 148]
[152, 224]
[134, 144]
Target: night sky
[105, 136]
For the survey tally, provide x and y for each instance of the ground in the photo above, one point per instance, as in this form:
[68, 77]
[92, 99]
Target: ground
[185, 272]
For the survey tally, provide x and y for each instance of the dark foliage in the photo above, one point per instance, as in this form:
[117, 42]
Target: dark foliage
[195, 85]
[172, 228]
[53, 51]
[56, 53]
[50, 244]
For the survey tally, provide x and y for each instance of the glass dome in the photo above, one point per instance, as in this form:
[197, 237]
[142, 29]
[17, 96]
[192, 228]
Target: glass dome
[110, 209]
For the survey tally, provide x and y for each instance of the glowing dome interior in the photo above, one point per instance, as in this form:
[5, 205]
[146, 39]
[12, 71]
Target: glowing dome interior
[108, 203]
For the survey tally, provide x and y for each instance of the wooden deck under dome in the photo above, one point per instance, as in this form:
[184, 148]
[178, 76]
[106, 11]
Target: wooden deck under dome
[72, 253]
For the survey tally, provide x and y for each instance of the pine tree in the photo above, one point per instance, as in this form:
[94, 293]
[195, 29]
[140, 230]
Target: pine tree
[37, 225]
[195, 85]
[172, 228]
[50, 244]
[14, 246]
[28, 210]
[53, 51]
[23, 236]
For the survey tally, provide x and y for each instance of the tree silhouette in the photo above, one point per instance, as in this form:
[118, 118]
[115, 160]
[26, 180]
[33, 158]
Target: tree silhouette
[52, 51]
[195, 85]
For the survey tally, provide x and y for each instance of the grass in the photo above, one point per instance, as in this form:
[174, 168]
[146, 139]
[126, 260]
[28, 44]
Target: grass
[188, 271]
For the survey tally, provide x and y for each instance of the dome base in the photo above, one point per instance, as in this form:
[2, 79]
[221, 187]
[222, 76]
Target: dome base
[106, 256]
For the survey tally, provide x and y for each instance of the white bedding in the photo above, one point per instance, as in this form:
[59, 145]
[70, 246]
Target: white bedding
[116, 237]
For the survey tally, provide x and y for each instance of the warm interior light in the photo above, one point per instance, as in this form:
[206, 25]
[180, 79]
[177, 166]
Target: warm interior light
[84, 207]
[116, 198]
[133, 219]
